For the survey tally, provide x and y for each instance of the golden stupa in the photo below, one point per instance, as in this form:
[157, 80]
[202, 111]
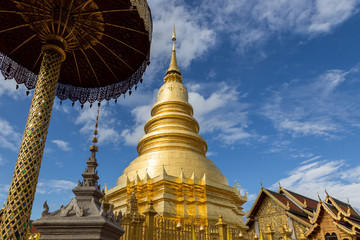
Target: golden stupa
[172, 169]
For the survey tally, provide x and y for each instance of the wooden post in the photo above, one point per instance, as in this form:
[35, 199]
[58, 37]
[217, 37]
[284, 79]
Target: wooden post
[149, 221]
[222, 228]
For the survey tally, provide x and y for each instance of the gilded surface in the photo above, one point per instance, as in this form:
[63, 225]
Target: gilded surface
[172, 169]
[327, 225]
[23, 186]
[271, 213]
[172, 138]
[298, 228]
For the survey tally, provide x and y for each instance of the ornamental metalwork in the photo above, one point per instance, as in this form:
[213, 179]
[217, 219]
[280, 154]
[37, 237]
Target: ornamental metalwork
[82, 50]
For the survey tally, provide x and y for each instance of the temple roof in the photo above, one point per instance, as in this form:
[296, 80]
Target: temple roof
[83, 212]
[285, 201]
[344, 215]
[300, 199]
[345, 208]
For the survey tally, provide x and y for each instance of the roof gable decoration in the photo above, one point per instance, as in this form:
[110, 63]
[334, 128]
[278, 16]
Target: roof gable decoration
[339, 215]
[327, 209]
[350, 231]
[336, 203]
[283, 190]
[299, 200]
[267, 193]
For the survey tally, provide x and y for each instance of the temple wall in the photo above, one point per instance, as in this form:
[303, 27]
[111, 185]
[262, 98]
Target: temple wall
[272, 213]
[326, 225]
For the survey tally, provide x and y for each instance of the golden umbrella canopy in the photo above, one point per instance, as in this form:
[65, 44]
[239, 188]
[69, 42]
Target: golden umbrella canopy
[86, 50]
[107, 44]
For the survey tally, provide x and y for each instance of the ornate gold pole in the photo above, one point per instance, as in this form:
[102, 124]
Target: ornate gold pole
[15, 220]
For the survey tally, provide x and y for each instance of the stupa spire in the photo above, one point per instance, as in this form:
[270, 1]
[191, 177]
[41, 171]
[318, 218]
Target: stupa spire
[173, 67]
[94, 148]
[90, 174]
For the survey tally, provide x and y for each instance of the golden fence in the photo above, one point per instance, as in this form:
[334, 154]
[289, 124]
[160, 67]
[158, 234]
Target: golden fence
[167, 229]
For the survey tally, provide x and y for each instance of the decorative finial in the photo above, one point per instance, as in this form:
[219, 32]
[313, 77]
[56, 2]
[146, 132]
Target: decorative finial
[90, 174]
[279, 184]
[174, 38]
[173, 68]
[326, 192]
[319, 197]
[94, 148]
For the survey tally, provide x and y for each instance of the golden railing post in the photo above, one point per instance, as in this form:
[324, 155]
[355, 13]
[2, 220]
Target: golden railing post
[179, 228]
[149, 221]
[269, 233]
[16, 217]
[222, 228]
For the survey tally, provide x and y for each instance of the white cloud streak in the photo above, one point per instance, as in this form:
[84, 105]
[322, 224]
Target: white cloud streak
[4, 190]
[319, 107]
[62, 145]
[49, 186]
[222, 113]
[340, 181]
[107, 124]
[251, 23]
[194, 37]
[8, 88]
[132, 135]
[9, 137]
[2, 161]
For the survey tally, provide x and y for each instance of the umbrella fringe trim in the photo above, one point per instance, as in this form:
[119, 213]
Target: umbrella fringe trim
[11, 70]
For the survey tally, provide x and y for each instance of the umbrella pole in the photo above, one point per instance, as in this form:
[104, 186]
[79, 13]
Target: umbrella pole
[16, 218]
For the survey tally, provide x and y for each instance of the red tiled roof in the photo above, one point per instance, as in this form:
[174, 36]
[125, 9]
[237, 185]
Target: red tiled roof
[309, 202]
[285, 201]
[332, 208]
[345, 206]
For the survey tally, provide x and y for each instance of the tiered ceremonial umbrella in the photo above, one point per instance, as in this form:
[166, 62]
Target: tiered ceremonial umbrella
[82, 50]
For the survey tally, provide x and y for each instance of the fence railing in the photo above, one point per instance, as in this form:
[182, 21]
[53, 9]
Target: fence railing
[149, 227]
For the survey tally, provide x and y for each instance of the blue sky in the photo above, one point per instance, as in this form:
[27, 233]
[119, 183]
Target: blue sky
[275, 86]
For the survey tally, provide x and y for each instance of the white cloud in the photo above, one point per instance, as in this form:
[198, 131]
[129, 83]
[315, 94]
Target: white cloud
[2, 161]
[352, 175]
[4, 190]
[319, 107]
[221, 113]
[48, 186]
[194, 37]
[9, 137]
[311, 159]
[59, 164]
[278, 145]
[302, 155]
[8, 87]
[62, 145]
[251, 23]
[141, 114]
[188, 24]
[340, 181]
[107, 124]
